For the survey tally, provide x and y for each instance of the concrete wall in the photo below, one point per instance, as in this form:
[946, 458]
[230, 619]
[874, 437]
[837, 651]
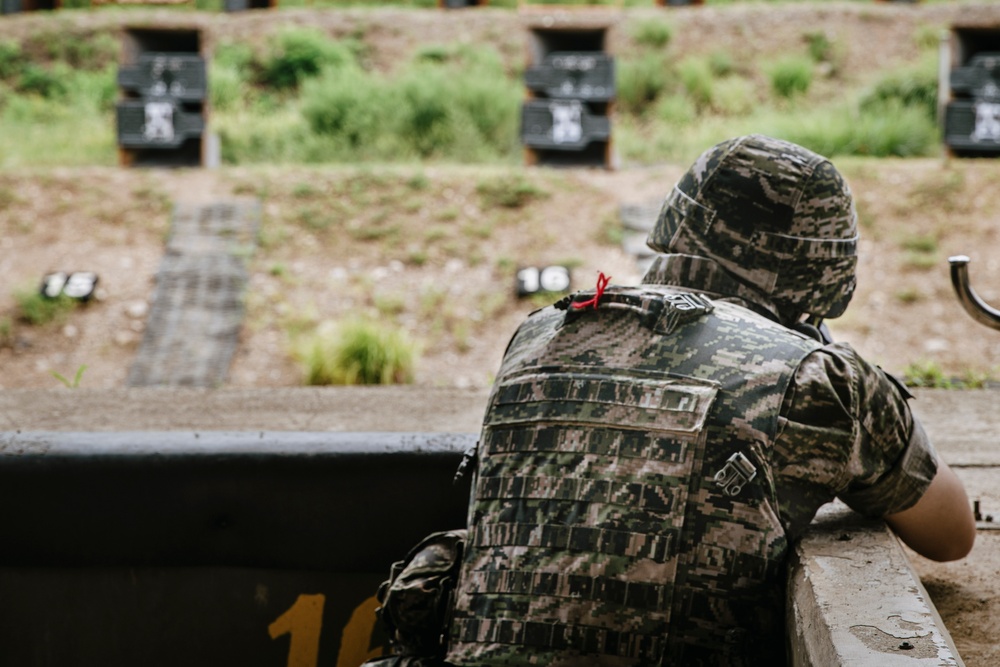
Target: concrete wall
[853, 599]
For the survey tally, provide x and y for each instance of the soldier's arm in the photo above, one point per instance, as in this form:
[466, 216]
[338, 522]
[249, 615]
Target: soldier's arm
[940, 526]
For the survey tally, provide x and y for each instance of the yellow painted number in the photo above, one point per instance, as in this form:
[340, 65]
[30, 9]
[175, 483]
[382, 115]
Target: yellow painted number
[303, 621]
[357, 636]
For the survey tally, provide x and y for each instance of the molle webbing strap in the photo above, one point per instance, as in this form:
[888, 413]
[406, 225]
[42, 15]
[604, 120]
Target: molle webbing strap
[644, 596]
[579, 395]
[589, 440]
[656, 548]
[609, 492]
[560, 637]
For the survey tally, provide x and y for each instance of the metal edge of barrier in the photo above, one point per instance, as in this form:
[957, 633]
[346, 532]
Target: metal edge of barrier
[225, 499]
[854, 599]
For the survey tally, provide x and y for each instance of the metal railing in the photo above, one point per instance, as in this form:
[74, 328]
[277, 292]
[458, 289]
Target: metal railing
[980, 311]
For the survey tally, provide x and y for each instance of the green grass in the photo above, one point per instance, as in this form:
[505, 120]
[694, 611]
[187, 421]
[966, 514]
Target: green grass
[698, 80]
[640, 81]
[508, 191]
[791, 76]
[911, 87]
[75, 382]
[652, 34]
[38, 310]
[359, 352]
[926, 373]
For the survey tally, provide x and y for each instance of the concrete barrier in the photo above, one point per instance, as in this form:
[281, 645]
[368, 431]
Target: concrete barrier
[211, 548]
[854, 600]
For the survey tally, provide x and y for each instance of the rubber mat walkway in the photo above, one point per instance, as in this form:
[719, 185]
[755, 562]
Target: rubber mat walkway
[197, 308]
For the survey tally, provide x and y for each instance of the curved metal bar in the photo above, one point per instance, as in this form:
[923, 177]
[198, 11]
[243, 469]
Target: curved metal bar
[979, 309]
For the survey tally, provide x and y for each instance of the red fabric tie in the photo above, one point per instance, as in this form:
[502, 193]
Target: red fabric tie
[602, 283]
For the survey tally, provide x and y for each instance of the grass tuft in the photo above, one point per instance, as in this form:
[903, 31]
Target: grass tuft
[652, 34]
[790, 76]
[926, 373]
[359, 352]
[510, 191]
[39, 310]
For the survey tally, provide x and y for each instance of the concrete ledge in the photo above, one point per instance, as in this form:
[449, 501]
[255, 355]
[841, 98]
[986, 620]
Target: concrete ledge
[351, 409]
[853, 599]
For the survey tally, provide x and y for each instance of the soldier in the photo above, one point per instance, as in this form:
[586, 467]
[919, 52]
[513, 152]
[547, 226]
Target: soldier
[649, 453]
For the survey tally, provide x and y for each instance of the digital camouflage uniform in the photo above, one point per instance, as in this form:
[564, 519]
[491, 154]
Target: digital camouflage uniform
[845, 428]
[645, 460]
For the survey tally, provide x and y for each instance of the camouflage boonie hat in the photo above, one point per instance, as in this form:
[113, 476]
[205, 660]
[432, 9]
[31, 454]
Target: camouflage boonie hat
[777, 217]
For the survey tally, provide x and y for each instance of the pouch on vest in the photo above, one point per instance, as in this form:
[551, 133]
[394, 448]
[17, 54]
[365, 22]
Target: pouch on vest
[416, 599]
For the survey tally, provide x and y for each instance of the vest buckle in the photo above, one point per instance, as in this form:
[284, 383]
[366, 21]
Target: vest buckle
[733, 476]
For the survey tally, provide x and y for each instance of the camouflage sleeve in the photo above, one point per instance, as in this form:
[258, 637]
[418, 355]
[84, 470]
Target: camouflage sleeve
[846, 431]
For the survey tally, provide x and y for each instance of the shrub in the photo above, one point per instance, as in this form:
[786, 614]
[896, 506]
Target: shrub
[639, 82]
[899, 132]
[721, 63]
[652, 34]
[790, 77]
[279, 137]
[299, 54]
[348, 105]
[819, 45]
[231, 74]
[12, 60]
[458, 104]
[96, 90]
[490, 99]
[42, 82]
[734, 96]
[699, 82]
[233, 55]
[227, 88]
[360, 352]
[911, 88]
[425, 115]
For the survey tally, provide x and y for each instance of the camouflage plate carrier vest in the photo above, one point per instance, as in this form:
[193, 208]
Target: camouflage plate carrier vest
[623, 511]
